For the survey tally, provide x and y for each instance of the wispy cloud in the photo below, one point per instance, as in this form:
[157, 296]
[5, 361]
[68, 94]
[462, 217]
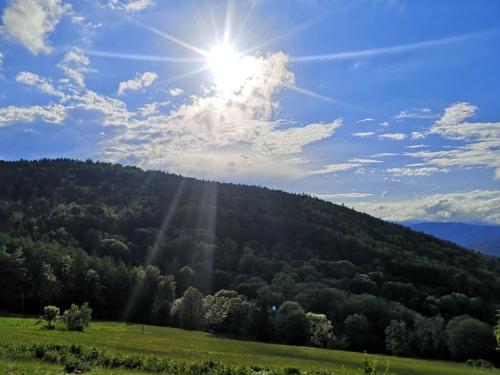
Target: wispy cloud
[367, 119]
[339, 196]
[417, 113]
[363, 134]
[393, 136]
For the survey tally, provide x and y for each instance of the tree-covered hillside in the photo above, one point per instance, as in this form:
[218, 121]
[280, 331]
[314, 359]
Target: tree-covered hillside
[129, 242]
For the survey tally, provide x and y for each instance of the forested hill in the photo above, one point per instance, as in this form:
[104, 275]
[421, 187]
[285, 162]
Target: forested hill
[74, 231]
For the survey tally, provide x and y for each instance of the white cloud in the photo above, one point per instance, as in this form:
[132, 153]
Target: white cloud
[223, 134]
[417, 135]
[30, 21]
[367, 119]
[336, 197]
[1, 60]
[384, 124]
[363, 134]
[140, 81]
[424, 171]
[114, 111]
[476, 205]
[130, 5]
[336, 167]
[365, 161]
[74, 64]
[218, 135]
[452, 124]
[175, 91]
[151, 109]
[482, 140]
[417, 113]
[393, 136]
[340, 167]
[54, 114]
[416, 146]
[42, 84]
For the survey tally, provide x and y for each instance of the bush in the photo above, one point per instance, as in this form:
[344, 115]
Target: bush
[479, 363]
[77, 358]
[77, 318]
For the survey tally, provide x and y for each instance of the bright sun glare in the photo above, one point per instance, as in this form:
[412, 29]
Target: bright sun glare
[229, 68]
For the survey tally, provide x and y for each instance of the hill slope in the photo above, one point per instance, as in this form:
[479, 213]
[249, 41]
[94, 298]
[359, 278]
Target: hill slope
[75, 231]
[484, 238]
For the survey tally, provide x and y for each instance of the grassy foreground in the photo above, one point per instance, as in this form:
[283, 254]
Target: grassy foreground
[185, 345]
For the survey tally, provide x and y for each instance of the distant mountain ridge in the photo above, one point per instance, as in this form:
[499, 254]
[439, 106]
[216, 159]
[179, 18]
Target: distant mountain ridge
[481, 237]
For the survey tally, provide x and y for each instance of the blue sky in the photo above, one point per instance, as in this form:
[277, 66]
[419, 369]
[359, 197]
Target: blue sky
[391, 107]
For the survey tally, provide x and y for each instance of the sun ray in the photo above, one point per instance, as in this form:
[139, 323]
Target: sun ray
[171, 38]
[131, 56]
[292, 31]
[188, 74]
[328, 99]
[391, 50]
[228, 22]
[134, 294]
[244, 22]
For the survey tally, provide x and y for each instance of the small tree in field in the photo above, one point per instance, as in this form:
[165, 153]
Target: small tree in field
[77, 318]
[51, 313]
[320, 330]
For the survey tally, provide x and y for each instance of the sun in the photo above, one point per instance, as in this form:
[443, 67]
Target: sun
[230, 69]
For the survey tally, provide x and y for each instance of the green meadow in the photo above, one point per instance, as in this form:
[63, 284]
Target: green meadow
[189, 346]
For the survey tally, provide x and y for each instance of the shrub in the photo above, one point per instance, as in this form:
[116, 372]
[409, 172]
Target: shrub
[77, 318]
[479, 363]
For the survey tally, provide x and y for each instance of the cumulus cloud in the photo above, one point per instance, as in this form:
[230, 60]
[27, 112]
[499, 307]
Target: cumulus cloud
[363, 134]
[130, 5]
[29, 22]
[175, 91]
[74, 65]
[42, 84]
[393, 136]
[481, 140]
[223, 134]
[423, 171]
[476, 205]
[54, 114]
[140, 81]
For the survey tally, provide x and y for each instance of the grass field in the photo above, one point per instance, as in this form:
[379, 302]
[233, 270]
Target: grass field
[186, 345]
